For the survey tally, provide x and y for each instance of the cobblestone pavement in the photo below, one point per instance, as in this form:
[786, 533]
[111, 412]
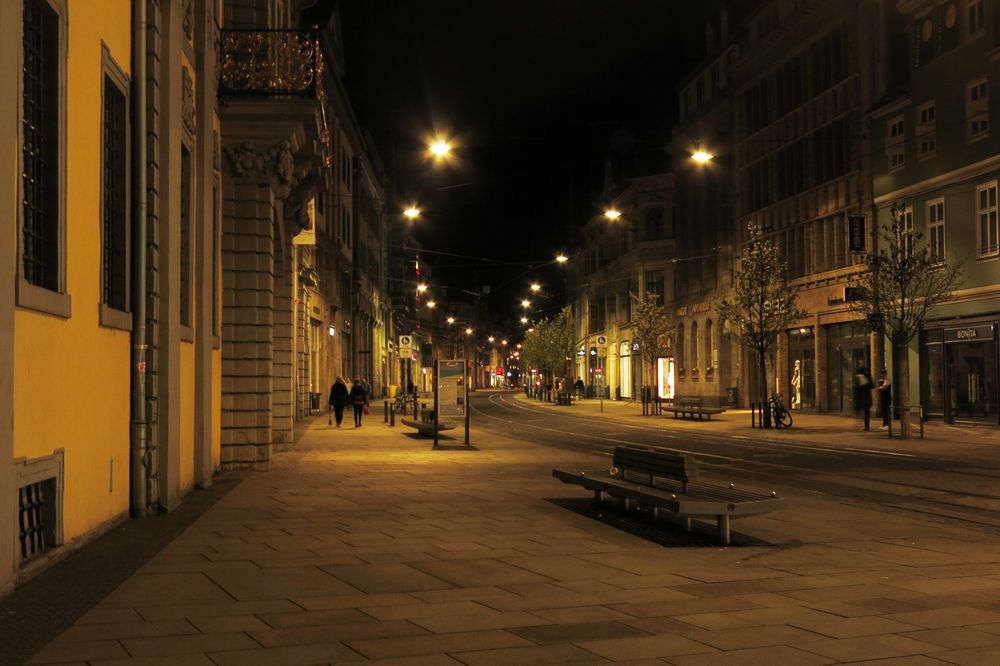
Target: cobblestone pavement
[366, 544]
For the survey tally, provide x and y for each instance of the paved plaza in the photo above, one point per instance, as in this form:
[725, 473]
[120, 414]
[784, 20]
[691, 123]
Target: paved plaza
[366, 544]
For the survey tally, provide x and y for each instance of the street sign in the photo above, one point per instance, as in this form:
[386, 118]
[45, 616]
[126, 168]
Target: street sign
[856, 227]
[405, 345]
[602, 341]
[451, 388]
[602, 352]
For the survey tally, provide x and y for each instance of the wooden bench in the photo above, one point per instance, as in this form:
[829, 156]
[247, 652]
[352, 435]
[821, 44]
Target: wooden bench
[688, 408]
[668, 480]
[426, 428]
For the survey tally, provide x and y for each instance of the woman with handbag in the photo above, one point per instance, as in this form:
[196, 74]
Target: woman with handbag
[359, 400]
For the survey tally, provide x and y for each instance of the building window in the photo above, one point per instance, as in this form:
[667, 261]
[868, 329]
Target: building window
[986, 217]
[927, 130]
[695, 349]
[906, 241]
[654, 285]
[975, 16]
[114, 190]
[895, 149]
[185, 241]
[977, 108]
[935, 231]
[711, 354]
[42, 283]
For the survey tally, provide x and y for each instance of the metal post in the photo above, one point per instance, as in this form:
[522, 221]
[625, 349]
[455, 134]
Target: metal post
[434, 387]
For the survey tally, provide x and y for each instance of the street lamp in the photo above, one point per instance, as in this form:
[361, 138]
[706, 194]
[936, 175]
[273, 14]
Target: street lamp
[524, 320]
[412, 213]
[612, 214]
[702, 156]
[432, 304]
[561, 258]
[535, 287]
[451, 320]
[421, 288]
[491, 339]
[439, 148]
[468, 331]
[525, 303]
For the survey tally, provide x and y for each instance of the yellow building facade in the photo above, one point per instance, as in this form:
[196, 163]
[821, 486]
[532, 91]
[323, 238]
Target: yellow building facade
[110, 362]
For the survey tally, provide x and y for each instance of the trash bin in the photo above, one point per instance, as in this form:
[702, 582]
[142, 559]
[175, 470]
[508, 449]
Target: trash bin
[314, 401]
[733, 396]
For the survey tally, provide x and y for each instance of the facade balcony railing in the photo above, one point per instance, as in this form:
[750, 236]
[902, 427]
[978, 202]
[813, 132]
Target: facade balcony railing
[270, 62]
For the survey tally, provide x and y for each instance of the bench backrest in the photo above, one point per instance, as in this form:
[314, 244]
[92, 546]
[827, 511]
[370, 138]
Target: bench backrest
[648, 462]
[688, 402]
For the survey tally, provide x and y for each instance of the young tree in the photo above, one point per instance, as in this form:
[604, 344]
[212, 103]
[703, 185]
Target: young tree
[763, 304]
[650, 329]
[550, 346]
[904, 281]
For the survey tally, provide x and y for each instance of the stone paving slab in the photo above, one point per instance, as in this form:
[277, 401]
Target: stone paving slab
[366, 545]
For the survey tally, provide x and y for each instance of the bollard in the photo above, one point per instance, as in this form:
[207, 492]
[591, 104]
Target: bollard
[392, 417]
[385, 415]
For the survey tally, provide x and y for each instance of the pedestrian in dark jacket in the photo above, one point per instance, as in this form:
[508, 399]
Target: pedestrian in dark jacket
[338, 400]
[885, 399]
[863, 395]
[359, 400]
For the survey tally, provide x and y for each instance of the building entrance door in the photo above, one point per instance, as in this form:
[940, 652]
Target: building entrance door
[972, 381]
[625, 370]
[848, 349]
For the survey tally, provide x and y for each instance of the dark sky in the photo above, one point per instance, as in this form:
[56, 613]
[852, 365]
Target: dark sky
[530, 92]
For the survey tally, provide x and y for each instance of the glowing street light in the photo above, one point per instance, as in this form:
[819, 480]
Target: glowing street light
[412, 213]
[531, 330]
[535, 287]
[701, 156]
[525, 303]
[432, 304]
[439, 148]
[561, 258]
[491, 339]
[468, 331]
[421, 288]
[612, 214]
[503, 342]
[451, 320]
[524, 320]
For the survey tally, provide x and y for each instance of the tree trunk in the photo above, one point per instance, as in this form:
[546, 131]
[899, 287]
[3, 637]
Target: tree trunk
[762, 362]
[904, 391]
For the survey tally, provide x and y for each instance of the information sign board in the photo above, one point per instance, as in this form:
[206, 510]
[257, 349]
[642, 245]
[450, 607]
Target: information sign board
[452, 388]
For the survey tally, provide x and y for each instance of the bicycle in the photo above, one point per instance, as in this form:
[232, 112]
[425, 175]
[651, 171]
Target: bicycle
[401, 405]
[782, 417]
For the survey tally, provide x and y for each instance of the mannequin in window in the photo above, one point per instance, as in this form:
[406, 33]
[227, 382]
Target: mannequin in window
[797, 386]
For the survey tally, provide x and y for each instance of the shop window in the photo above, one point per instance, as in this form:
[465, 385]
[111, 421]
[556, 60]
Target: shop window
[986, 219]
[935, 231]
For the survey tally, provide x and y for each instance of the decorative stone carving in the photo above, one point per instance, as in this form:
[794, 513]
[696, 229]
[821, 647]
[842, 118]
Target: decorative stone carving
[277, 162]
[188, 19]
[187, 101]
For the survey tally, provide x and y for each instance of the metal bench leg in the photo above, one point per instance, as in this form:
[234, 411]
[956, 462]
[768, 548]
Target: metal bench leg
[724, 530]
[598, 496]
[656, 513]
[628, 504]
[687, 524]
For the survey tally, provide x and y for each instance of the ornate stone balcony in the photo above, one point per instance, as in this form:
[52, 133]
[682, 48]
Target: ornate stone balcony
[270, 62]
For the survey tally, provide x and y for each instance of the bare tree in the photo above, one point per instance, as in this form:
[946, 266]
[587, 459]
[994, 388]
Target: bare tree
[904, 281]
[763, 305]
[650, 329]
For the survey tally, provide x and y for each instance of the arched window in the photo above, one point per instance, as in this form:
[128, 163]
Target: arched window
[710, 359]
[695, 357]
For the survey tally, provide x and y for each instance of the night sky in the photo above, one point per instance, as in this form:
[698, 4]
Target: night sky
[532, 94]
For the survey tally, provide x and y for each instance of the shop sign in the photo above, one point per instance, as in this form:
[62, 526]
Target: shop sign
[969, 333]
[856, 226]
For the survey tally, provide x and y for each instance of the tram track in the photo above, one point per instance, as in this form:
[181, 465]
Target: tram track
[843, 473]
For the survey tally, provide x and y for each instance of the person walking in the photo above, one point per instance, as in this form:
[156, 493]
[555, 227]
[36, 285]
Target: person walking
[863, 395]
[358, 400]
[885, 398]
[338, 400]
[368, 389]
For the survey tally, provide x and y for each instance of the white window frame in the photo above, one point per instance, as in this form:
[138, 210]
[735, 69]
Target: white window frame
[991, 224]
[895, 145]
[977, 111]
[936, 247]
[926, 125]
[906, 241]
[27, 295]
[109, 316]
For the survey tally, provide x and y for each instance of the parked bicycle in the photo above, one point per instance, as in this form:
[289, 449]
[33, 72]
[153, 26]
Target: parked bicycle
[402, 403]
[782, 417]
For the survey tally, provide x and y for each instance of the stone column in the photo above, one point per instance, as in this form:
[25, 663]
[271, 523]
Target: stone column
[284, 309]
[781, 368]
[247, 321]
[819, 372]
